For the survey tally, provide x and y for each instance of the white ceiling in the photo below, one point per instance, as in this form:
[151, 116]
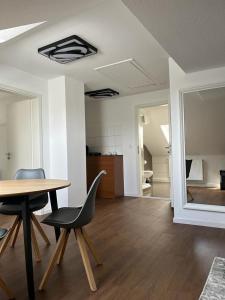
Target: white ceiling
[154, 139]
[191, 31]
[204, 119]
[109, 26]
[22, 12]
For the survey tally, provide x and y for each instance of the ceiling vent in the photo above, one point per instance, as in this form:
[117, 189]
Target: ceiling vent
[68, 50]
[127, 73]
[104, 93]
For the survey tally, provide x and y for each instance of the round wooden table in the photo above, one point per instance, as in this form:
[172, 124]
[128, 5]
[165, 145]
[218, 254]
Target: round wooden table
[23, 189]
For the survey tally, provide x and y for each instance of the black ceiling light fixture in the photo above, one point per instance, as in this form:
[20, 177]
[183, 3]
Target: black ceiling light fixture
[68, 49]
[103, 93]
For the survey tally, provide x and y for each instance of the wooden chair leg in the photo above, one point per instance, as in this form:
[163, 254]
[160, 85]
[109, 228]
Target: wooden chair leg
[91, 247]
[6, 289]
[16, 233]
[40, 229]
[85, 258]
[62, 251]
[53, 260]
[35, 244]
[8, 237]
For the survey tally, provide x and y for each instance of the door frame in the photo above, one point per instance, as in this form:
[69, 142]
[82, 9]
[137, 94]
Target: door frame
[32, 95]
[137, 108]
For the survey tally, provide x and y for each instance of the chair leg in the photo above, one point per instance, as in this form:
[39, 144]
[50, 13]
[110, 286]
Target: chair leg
[91, 247]
[53, 260]
[16, 233]
[62, 251]
[35, 244]
[40, 229]
[85, 258]
[6, 289]
[8, 237]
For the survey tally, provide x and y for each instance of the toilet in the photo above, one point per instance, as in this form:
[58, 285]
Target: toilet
[147, 174]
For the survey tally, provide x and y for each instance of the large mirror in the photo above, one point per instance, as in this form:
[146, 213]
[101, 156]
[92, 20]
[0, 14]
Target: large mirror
[204, 129]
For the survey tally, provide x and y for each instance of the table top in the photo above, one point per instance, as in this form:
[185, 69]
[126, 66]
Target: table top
[31, 186]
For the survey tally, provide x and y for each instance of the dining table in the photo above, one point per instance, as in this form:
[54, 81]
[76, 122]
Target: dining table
[25, 191]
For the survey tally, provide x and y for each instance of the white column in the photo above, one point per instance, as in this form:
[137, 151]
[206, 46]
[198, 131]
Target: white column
[67, 137]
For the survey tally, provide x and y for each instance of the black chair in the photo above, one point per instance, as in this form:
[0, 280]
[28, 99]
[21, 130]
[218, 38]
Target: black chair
[3, 286]
[13, 207]
[74, 218]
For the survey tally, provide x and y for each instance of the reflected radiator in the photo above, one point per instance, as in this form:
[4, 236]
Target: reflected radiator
[196, 169]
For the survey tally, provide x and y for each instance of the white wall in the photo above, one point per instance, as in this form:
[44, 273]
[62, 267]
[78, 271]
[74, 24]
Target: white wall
[67, 137]
[198, 214]
[160, 167]
[3, 139]
[118, 117]
[212, 164]
[154, 138]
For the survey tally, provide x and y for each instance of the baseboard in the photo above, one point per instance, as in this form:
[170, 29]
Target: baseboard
[209, 185]
[198, 223]
[132, 195]
[161, 180]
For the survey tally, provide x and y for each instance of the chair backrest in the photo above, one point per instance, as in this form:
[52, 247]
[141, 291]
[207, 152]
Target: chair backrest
[88, 210]
[30, 174]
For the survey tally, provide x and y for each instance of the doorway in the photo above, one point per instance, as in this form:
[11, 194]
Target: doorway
[154, 151]
[20, 133]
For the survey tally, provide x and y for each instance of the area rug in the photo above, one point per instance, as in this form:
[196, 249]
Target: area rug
[214, 288]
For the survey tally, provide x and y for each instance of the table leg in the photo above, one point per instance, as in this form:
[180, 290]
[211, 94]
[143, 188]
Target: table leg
[54, 206]
[28, 247]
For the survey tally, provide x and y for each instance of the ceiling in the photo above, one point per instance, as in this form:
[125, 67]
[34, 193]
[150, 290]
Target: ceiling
[204, 122]
[22, 12]
[108, 25]
[154, 139]
[191, 31]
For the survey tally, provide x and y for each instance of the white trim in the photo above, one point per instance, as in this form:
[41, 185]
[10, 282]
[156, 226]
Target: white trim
[198, 223]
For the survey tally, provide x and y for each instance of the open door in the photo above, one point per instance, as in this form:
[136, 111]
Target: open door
[23, 136]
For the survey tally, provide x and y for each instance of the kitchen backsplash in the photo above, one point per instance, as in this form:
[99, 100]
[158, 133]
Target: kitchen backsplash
[107, 140]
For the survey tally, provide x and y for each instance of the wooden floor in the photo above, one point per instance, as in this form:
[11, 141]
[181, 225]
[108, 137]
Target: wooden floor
[158, 189]
[145, 256]
[206, 195]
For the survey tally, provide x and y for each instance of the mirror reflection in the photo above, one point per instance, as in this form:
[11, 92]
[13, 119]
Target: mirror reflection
[204, 128]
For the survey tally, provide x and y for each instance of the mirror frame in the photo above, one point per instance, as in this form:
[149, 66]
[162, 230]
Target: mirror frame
[186, 205]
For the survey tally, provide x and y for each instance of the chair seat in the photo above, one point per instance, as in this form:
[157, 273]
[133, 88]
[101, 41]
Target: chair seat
[3, 233]
[13, 206]
[63, 217]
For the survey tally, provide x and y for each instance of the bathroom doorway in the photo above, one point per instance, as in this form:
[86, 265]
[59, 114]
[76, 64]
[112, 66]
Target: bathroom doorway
[154, 151]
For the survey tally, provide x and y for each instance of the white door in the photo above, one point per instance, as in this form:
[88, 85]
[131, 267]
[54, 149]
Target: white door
[23, 136]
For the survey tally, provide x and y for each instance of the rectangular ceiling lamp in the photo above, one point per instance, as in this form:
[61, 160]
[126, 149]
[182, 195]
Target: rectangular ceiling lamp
[127, 73]
[68, 50]
[103, 93]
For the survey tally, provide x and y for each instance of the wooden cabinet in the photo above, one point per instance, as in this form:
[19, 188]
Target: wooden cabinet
[112, 184]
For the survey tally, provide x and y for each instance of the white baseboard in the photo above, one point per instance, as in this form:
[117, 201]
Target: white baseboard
[167, 180]
[207, 184]
[198, 223]
[132, 195]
